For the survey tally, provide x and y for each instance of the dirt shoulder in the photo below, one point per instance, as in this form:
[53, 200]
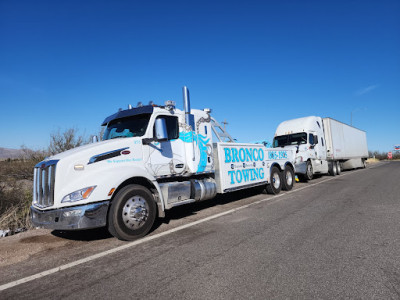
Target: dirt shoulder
[19, 247]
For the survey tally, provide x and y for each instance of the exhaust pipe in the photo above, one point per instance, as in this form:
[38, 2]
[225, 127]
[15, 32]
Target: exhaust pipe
[189, 118]
[186, 104]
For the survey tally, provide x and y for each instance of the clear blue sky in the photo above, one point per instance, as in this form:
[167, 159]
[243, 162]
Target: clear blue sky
[255, 63]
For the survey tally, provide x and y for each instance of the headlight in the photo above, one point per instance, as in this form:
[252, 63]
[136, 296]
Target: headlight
[79, 195]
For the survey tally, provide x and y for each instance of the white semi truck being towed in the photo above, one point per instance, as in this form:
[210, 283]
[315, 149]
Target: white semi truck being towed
[322, 146]
[152, 159]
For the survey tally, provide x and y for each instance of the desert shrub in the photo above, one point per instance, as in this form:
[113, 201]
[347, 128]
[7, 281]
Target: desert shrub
[16, 178]
[383, 155]
[63, 141]
[15, 201]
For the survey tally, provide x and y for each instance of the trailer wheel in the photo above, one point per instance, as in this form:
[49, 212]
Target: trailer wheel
[338, 168]
[364, 162]
[276, 183]
[287, 178]
[132, 213]
[309, 171]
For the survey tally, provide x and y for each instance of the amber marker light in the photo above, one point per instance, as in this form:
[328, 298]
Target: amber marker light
[111, 192]
[88, 192]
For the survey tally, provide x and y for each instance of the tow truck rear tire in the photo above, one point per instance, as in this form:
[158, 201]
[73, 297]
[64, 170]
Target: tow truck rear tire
[132, 213]
[287, 178]
[275, 185]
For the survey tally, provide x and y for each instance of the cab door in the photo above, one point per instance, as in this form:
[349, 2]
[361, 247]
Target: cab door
[319, 151]
[166, 158]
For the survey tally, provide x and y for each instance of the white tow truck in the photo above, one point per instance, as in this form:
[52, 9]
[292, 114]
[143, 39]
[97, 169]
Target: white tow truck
[152, 158]
[322, 145]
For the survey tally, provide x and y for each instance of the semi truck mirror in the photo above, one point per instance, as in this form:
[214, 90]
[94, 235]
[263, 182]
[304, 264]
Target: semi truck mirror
[161, 129]
[311, 139]
[315, 139]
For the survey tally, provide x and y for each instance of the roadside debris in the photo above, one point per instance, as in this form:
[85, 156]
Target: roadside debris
[8, 232]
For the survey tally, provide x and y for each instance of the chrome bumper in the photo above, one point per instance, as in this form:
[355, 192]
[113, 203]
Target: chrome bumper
[301, 168]
[69, 218]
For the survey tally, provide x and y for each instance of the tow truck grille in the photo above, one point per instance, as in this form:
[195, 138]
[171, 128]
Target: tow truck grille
[43, 183]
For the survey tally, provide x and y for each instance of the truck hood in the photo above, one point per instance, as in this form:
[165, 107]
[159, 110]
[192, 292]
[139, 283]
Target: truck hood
[301, 148]
[288, 147]
[87, 151]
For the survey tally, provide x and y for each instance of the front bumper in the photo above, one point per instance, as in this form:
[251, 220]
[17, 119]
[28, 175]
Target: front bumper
[301, 168]
[69, 218]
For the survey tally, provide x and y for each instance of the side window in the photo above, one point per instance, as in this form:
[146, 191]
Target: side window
[311, 139]
[172, 127]
[322, 141]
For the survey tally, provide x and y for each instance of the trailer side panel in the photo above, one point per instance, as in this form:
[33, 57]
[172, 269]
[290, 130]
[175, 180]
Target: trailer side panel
[343, 141]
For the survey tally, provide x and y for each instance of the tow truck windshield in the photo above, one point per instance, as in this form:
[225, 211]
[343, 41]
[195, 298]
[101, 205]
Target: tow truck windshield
[127, 127]
[290, 139]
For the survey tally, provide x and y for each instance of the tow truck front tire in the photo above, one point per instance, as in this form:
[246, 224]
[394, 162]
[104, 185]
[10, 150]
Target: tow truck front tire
[132, 213]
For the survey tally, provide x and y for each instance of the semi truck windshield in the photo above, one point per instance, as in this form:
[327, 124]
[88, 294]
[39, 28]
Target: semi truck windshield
[127, 127]
[290, 139]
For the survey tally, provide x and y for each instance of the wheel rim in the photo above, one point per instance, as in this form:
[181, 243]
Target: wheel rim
[334, 169]
[309, 170]
[338, 169]
[135, 212]
[289, 178]
[276, 181]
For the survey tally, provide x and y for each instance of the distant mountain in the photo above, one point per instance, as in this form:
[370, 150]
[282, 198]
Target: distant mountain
[10, 153]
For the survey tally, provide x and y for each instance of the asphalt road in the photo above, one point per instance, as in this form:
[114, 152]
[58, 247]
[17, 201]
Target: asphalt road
[335, 237]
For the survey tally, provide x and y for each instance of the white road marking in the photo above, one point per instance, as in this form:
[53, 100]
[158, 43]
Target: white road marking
[272, 199]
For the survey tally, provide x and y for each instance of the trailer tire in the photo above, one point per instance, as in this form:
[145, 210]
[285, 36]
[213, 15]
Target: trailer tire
[132, 213]
[275, 185]
[287, 178]
[309, 171]
[364, 162]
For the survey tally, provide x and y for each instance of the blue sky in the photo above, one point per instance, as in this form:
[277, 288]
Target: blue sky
[70, 64]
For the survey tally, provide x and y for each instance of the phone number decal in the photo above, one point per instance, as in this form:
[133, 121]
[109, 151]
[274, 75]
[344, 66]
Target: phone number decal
[277, 154]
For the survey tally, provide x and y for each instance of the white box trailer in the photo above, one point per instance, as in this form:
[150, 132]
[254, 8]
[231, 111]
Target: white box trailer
[322, 145]
[344, 142]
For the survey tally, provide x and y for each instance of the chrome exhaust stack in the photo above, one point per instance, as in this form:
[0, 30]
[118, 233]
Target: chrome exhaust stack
[189, 118]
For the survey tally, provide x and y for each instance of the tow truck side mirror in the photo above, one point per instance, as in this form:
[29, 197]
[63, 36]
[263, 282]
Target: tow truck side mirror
[161, 129]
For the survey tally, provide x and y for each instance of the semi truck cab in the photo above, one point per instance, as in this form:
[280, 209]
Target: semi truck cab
[322, 145]
[306, 137]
